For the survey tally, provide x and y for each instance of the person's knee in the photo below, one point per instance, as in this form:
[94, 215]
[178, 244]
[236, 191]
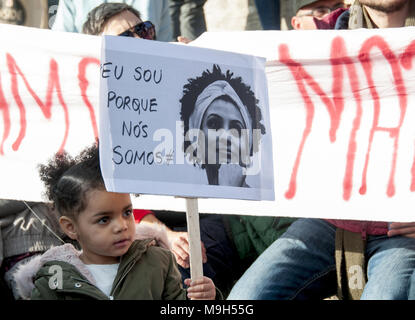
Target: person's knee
[385, 292]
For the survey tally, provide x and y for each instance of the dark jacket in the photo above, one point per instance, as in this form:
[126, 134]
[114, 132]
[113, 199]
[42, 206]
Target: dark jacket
[20, 230]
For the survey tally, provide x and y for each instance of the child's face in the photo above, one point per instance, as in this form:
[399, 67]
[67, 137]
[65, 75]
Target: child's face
[106, 228]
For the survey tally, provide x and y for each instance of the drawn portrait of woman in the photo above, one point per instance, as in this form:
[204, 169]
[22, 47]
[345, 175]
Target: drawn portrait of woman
[222, 113]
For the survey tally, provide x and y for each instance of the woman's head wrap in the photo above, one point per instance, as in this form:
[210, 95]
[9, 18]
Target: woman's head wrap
[209, 94]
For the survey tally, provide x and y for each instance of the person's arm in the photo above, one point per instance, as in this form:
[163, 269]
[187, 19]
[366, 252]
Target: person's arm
[179, 242]
[65, 17]
[406, 229]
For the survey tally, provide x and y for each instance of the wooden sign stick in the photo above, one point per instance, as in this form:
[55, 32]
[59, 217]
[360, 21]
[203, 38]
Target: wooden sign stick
[193, 229]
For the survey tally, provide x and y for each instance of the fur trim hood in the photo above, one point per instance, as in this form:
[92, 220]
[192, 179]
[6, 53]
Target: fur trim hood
[25, 273]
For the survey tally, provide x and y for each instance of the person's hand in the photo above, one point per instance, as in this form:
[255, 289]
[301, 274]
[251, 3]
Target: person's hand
[183, 40]
[180, 247]
[201, 289]
[406, 229]
[231, 175]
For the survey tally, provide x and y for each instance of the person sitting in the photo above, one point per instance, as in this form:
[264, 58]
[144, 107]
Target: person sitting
[311, 14]
[301, 264]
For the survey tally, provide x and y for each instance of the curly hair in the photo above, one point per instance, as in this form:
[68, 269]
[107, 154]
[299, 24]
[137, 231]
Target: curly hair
[67, 180]
[195, 86]
[98, 17]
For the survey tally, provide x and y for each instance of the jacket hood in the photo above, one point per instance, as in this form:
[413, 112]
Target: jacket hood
[25, 273]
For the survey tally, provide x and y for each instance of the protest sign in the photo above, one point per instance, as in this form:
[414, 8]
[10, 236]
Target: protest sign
[184, 121]
[341, 114]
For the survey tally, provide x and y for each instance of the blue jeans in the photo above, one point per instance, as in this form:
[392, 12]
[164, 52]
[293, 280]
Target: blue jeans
[269, 14]
[301, 265]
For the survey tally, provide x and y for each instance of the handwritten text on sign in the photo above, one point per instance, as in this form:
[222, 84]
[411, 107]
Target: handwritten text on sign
[341, 117]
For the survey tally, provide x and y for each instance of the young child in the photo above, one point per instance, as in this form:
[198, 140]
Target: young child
[113, 262]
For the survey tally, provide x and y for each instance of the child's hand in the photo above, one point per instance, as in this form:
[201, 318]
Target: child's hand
[201, 289]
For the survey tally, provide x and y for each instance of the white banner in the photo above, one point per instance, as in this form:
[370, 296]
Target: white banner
[341, 113]
[48, 102]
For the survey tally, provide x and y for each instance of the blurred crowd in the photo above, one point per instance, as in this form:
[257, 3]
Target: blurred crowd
[187, 17]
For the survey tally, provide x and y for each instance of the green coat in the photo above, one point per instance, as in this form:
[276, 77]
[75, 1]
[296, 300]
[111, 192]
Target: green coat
[253, 234]
[145, 273]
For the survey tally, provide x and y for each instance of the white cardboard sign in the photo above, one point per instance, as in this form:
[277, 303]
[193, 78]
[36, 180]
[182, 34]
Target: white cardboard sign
[184, 121]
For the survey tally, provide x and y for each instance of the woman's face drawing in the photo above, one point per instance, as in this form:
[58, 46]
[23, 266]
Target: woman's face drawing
[222, 114]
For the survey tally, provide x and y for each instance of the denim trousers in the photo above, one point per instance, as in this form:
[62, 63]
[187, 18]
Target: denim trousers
[269, 14]
[301, 265]
[188, 18]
